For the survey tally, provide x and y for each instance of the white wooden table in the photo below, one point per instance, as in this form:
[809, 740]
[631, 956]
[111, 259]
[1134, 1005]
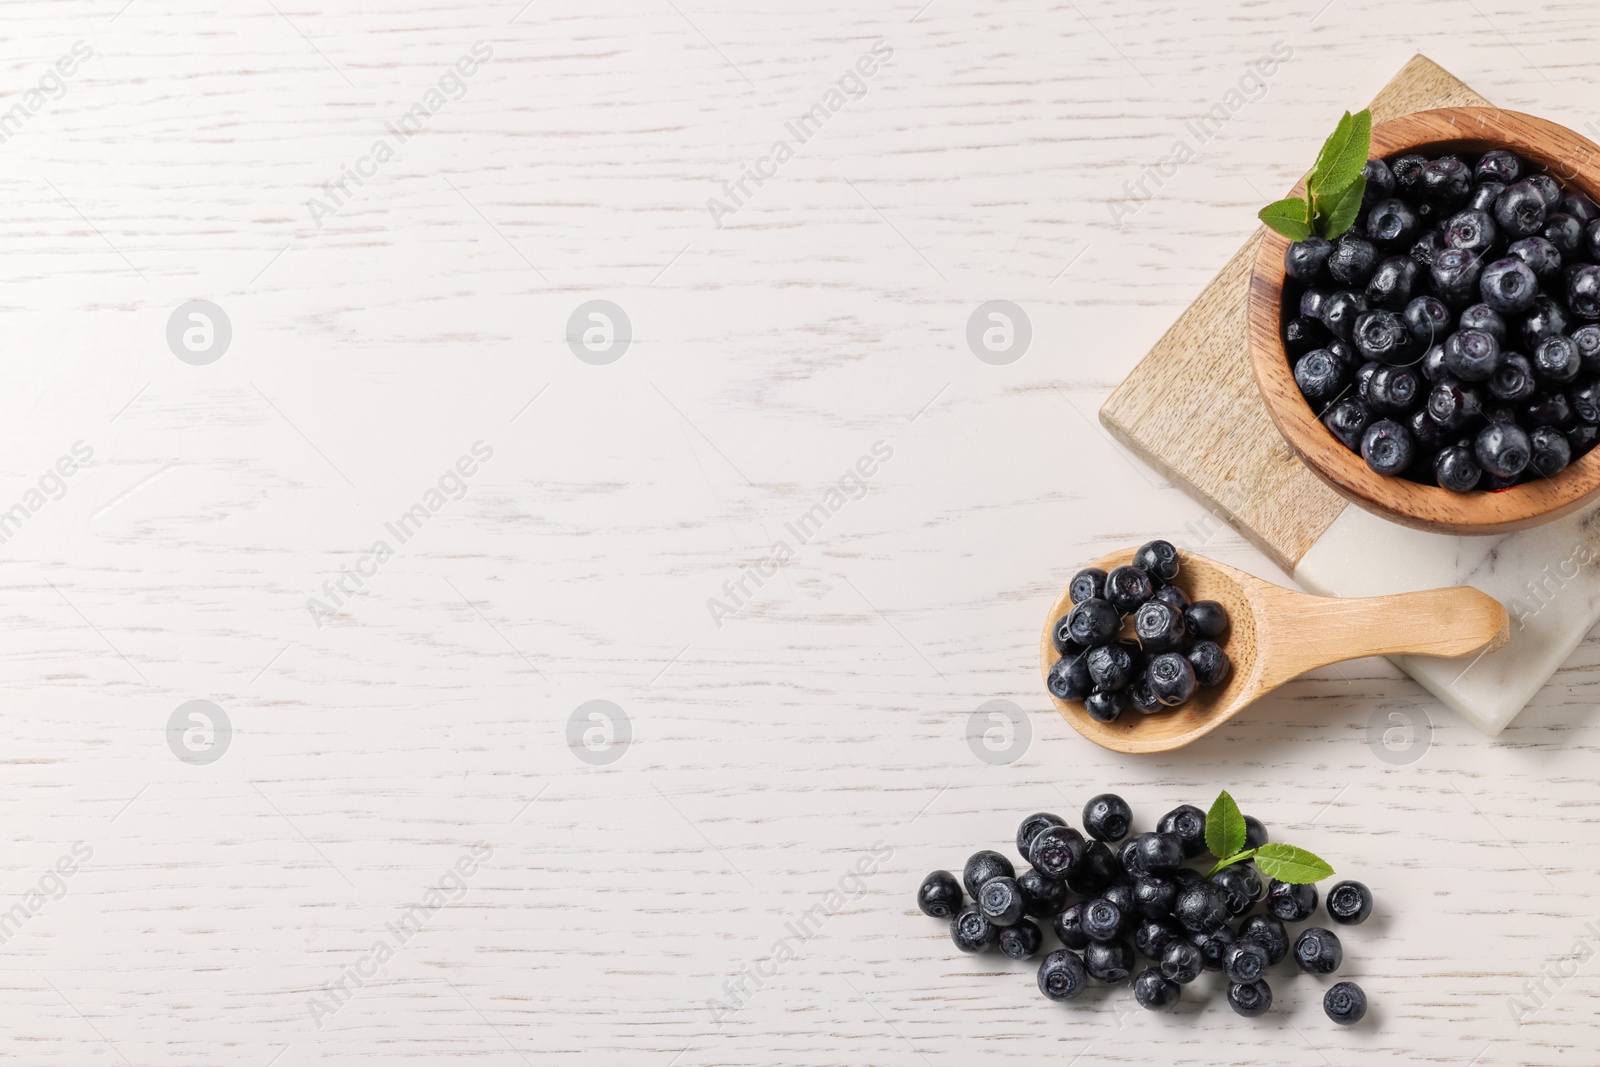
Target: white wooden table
[269, 891]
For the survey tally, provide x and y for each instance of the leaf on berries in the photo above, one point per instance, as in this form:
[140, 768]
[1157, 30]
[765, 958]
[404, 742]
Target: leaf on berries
[1293, 865]
[1290, 217]
[1225, 829]
[1343, 154]
[1336, 212]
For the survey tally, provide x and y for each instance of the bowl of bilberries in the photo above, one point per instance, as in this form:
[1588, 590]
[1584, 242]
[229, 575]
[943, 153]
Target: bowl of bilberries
[1424, 318]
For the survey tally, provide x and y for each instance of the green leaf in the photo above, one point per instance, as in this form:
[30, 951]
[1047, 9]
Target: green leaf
[1289, 864]
[1343, 154]
[1248, 853]
[1336, 212]
[1290, 217]
[1225, 831]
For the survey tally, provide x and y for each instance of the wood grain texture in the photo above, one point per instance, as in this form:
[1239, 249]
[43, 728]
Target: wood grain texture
[841, 706]
[1276, 635]
[1575, 160]
[1192, 407]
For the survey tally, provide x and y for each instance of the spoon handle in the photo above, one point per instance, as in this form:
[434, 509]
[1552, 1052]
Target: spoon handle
[1311, 631]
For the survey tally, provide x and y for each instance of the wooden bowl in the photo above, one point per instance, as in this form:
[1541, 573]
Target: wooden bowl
[1571, 159]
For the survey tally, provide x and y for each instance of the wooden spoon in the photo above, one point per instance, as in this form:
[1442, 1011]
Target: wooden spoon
[1276, 634]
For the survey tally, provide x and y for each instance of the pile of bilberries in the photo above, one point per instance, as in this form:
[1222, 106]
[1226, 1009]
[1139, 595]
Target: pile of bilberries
[1177, 647]
[1452, 334]
[1183, 921]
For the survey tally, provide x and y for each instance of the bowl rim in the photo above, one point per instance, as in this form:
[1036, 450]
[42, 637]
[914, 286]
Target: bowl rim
[1569, 157]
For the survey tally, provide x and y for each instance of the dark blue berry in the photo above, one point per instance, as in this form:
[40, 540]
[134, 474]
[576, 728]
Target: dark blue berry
[939, 895]
[1173, 596]
[1565, 232]
[1321, 377]
[1549, 453]
[1352, 260]
[1345, 1003]
[1069, 928]
[1428, 435]
[1471, 231]
[1508, 285]
[1383, 336]
[1445, 183]
[1158, 559]
[1087, 584]
[1127, 587]
[1587, 338]
[1484, 194]
[1093, 622]
[1102, 920]
[1346, 420]
[1546, 319]
[1001, 901]
[1471, 355]
[1427, 320]
[1240, 888]
[971, 931]
[1556, 359]
[1153, 937]
[1583, 291]
[1305, 260]
[1407, 172]
[1291, 903]
[1159, 626]
[1269, 933]
[1340, 311]
[1042, 897]
[1433, 364]
[1579, 207]
[1054, 850]
[1154, 853]
[1154, 896]
[1540, 255]
[1250, 1000]
[1206, 620]
[1456, 470]
[1211, 665]
[1021, 941]
[1498, 165]
[1453, 405]
[1426, 249]
[1181, 962]
[1062, 976]
[1106, 705]
[1213, 946]
[1380, 182]
[1096, 869]
[1303, 334]
[1520, 211]
[1317, 951]
[1200, 909]
[1387, 447]
[1061, 638]
[1107, 817]
[1255, 834]
[1029, 828]
[1108, 961]
[1111, 666]
[1392, 222]
[1502, 449]
[1349, 903]
[1455, 276]
[1582, 437]
[981, 867]
[1069, 678]
[1394, 283]
[1513, 380]
[1394, 390]
[1547, 188]
[1187, 824]
[1155, 992]
[1483, 317]
[1245, 961]
[1172, 678]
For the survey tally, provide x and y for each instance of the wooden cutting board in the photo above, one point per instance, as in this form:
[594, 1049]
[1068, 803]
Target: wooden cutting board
[1191, 408]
